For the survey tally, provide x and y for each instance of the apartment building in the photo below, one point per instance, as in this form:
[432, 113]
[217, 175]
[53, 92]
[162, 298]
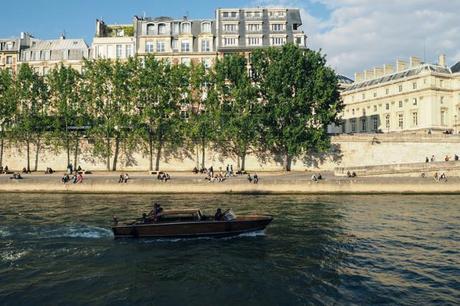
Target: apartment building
[243, 30]
[113, 41]
[410, 96]
[9, 54]
[44, 55]
[179, 41]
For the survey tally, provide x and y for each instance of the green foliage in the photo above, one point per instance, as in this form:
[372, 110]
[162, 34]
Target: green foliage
[301, 98]
[240, 111]
[68, 109]
[282, 106]
[32, 119]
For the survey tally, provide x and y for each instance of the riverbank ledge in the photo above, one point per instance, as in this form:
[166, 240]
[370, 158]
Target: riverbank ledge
[270, 183]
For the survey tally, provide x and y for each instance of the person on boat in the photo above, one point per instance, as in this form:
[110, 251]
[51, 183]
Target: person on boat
[219, 216]
[156, 212]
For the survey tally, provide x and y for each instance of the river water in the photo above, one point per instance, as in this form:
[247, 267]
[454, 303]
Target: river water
[405, 250]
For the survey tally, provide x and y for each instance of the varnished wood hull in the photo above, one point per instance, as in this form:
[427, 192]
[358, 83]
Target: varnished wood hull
[193, 229]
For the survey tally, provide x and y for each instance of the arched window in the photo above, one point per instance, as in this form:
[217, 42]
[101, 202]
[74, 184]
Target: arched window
[162, 28]
[185, 27]
[150, 29]
[206, 27]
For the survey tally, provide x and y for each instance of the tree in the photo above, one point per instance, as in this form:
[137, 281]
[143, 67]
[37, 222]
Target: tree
[161, 92]
[239, 109]
[7, 106]
[32, 119]
[300, 99]
[68, 109]
[205, 107]
[109, 90]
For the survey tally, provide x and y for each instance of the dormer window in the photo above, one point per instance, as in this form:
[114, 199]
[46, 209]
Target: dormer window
[162, 29]
[150, 29]
[185, 27]
[120, 33]
[206, 27]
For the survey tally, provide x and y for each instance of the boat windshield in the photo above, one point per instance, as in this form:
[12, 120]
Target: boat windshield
[229, 215]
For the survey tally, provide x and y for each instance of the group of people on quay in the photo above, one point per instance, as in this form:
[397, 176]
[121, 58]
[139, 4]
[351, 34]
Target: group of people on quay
[124, 178]
[4, 170]
[446, 158]
[76, 178]
[163, 176]
[316, 177]
[221, 176]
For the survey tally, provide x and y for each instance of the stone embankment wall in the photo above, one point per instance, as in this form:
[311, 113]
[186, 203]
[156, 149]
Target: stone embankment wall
[348, 151]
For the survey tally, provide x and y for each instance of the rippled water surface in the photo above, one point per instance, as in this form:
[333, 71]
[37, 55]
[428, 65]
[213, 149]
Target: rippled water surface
[405, 250]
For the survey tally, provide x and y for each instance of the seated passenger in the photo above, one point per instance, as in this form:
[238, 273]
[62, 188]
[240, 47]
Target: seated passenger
[219, 216]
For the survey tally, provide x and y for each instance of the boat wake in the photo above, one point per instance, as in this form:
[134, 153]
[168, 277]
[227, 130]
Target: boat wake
[4, 233]
[77, 231]
[243, 235]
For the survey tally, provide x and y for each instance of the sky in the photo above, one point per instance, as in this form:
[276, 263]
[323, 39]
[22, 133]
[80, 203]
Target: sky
[354, 34]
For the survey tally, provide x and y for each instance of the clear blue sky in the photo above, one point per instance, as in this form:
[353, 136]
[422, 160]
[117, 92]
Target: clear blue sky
[46, 19]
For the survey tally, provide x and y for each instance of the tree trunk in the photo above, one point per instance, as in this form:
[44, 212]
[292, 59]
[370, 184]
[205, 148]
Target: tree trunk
[28, 155]
[75, 156]
[108, 154]
[238, 162]
[151, 151]
[203, 153]
[68, 150]
[37, 150]
[287, 162]
[157, 162]
[115, 154]
[2, 143]
[243, 161]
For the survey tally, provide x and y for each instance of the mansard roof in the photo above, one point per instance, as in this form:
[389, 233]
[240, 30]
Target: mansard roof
[400, 75]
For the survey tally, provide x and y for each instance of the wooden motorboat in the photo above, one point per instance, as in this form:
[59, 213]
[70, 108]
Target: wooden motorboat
[189, 223]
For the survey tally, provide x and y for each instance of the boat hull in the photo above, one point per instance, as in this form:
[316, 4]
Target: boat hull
[193, 229]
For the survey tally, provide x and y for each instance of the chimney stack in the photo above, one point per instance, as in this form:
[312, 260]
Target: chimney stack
[442, 60]
[369, 74]
[401, 65]
[415, 61]
[359, 77]
[378, 72]
[388, 69]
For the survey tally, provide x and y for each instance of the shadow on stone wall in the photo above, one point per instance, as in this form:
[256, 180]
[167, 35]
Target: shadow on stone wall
[316, 159]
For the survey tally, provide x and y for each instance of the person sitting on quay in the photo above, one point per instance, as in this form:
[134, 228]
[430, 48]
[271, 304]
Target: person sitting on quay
[447, 158]
[456, 157]
[436, 176]
[443, 177]
[249, 178]
[126, 178]
[427, 160]
[211, 171]
[432, 158]
[319, 176]
[314, 178]
[49, 170]
[16, 176]
[65, 179]
[24, 170]
[195, 170]
[256, 178]
[121, 178]
[79, 179]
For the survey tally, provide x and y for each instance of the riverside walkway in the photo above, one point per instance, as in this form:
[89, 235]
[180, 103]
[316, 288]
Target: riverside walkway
[270, 183]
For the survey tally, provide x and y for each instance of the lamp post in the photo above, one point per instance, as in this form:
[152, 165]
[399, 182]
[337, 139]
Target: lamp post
[455, 124]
